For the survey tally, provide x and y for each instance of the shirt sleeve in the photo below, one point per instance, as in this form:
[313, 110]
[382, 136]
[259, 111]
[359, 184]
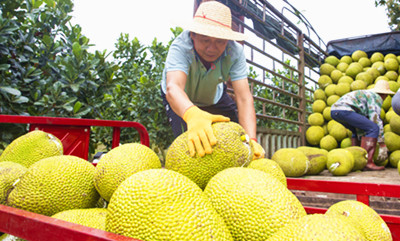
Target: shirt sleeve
[239, 68]
[179, 55]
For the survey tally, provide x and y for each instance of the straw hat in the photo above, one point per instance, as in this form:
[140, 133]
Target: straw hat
[214, 19]
[382, 87]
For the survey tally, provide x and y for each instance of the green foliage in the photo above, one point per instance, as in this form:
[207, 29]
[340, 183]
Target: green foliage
[392, 11]
[270, 92]
[47, 70]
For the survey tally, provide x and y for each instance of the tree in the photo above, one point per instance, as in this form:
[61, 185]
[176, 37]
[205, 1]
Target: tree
[47, 70]
[392, 11]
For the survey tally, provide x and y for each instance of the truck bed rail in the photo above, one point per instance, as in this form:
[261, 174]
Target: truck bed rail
[363, 192]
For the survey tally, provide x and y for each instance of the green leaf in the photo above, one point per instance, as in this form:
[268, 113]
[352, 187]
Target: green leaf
[4, 67]
[10, 90]
[77, 106]
[20, 100]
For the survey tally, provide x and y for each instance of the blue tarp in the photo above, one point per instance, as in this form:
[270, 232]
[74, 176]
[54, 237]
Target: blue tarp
[384, 42]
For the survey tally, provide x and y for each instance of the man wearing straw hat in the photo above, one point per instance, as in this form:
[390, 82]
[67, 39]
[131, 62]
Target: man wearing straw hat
[199, 63]
[360, 109]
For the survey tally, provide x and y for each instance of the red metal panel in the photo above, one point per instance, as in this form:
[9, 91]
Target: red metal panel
[52, 121]
[370, 189]
[362, 190]
[75, 139]
[36, 227]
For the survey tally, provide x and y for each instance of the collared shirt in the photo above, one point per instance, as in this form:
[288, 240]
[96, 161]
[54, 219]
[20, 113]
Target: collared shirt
[363, 102]
[204, 87]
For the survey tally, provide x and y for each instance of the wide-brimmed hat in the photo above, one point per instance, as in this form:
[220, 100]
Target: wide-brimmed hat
[382, 87]
[214, 19]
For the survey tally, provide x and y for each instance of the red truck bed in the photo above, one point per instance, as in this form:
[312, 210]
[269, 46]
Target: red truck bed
[74, 133]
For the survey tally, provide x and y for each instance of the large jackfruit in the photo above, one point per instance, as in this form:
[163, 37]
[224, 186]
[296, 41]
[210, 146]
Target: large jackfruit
[55, 184]
[319, 227]
[9, 173]
[253, 203]
[161, 204]
[89, 217]
[32, 147]
[121, 162]
[233, 149]
[363, 217]
[293, 162]
[317, 158]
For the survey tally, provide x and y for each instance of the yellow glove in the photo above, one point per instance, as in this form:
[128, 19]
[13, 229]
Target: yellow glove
[200, 134]
[258, 151]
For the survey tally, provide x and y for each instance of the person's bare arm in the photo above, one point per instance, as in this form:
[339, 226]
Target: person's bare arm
[175, 94]
[245, 105]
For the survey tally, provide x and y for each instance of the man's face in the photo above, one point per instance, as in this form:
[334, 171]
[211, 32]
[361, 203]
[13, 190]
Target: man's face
[208, 48]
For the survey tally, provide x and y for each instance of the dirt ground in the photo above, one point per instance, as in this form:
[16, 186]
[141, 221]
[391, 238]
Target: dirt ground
[388, 176]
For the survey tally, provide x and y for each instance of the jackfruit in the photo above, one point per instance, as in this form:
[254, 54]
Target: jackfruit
[292, 161]
[358, 54]
[317, 158]
[32, 147]
[338, 131]
[318, 106]
[377, 56]
[9, 173]
[324, 81]
[360, 156]
[340, 162]
[269, 166]
[354, 69]
[326, 69]
[394, 158]
[332, 99]
[233, 149]
[328, 142]
[314, 135]
[395, 124]
[332, 60]
[345, 79]
[253, 204]
[316, 119]
[327, 113]
[161, 204]
[366, 77]
[342, 89]
[121, 162]
[55, 184]
[319, 94]
[346, 142]
[319, 227]
[330, 90]
[90, 217]
[346, 59]
[342, 66]
[392, 141]
[363, 216]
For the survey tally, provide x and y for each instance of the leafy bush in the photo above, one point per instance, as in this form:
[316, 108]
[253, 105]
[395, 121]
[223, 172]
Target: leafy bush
[47, 70]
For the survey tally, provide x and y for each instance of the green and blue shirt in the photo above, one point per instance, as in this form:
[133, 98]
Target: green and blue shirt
[204, 87]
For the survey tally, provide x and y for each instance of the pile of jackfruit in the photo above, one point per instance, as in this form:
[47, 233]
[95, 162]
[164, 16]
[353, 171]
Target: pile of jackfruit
[225, 195]
[341, 76]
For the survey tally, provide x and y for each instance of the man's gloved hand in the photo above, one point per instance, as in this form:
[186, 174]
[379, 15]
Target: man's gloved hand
[200, 133]
[383, 152]
[258, 151]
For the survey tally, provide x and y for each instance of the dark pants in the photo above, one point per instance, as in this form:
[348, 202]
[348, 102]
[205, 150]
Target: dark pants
[352, 121]
[226, 106]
